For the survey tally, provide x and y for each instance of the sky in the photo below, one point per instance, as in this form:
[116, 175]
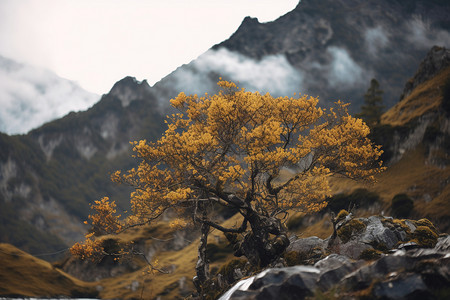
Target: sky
[98, 42]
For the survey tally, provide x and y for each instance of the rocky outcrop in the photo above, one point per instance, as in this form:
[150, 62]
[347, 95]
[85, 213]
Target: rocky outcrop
[412, 274]
[409, 271]
[437, 59]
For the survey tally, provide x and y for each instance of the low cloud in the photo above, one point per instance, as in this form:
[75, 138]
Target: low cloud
[272, 74]
[375, 40]
[424, 36]
[31, 96]
[343, 70]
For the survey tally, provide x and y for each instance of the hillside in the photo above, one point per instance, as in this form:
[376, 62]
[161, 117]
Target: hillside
[415, 136]
[24, 275]
[50, 175]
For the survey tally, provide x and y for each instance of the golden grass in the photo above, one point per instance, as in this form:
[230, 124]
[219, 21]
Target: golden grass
[424, 98]
[25, 275]
[412, 176]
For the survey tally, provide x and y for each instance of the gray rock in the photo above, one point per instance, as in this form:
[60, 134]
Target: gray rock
[410, 286]
[443, 244]
[353, 249]
[411, 226]
[306, 245]
[412, 274]
[333, 268]
[286, 283]
[376, 232]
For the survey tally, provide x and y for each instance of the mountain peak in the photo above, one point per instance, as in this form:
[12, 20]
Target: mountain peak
[437, 59]
[129, 89]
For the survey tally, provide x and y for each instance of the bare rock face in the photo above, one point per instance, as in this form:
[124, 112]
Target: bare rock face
[437, 59]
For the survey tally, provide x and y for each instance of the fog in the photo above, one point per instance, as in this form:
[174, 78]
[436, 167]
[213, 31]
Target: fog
[31, 96]
[272, 74]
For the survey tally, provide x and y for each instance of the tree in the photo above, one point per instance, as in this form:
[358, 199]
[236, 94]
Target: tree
[228, 149]
[372, 109]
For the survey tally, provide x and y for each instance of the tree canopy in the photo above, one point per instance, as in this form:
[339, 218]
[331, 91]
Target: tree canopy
[228, 149]
[372, 108]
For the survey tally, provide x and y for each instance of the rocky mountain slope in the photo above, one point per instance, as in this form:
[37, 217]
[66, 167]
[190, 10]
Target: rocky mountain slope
[49, 176]
[337, 47]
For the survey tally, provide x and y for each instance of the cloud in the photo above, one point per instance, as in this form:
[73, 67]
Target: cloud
[375, 39]
[343, 71]
[424, 36]
[272, 74]
[31, 96]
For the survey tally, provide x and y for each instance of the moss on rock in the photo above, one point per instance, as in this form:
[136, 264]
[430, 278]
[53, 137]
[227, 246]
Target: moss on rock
[354, 226]
[425, 237]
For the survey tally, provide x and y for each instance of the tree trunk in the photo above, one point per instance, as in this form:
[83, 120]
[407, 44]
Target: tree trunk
[266, 242]
[202, 267]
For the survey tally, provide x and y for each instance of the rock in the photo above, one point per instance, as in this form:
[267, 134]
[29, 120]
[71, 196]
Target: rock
[377, 233]
[333, 268]
[353, 249]
[413, 274]
[306, 245]
[443, 244]
[286, 283]
[408, 246]
[437, 59]
[410, 286]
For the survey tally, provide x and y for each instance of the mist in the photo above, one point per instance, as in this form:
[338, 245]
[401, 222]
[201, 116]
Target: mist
[272, 74]
[31, 96]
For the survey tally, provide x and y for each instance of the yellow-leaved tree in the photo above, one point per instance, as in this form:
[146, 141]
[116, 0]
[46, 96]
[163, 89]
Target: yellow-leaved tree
[228, 149]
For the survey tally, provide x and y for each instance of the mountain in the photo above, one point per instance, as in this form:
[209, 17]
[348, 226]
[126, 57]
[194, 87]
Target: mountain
[328, 48]
[31, 96]
[331, 49]
[49, 176]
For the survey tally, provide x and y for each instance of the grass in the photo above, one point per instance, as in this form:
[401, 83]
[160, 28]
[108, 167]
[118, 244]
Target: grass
[25, 275]
[424, 98]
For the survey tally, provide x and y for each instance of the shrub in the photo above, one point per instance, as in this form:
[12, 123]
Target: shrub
[370, 254]
[361, 198]
[342, 214]
[217, 252]
[295, 222]
[425, 236]
[354, 226]
[402, 206]
[293, 258]
[227, 270]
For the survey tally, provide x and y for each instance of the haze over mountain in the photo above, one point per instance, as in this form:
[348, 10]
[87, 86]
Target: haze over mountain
[327, 48]
[31, 96]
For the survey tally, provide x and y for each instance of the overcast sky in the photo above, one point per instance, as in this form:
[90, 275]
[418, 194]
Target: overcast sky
[98, 42]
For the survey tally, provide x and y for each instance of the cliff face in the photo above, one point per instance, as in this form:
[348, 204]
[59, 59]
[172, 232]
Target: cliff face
[419, 118]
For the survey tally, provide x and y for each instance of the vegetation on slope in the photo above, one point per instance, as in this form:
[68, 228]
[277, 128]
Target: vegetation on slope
[24, 275]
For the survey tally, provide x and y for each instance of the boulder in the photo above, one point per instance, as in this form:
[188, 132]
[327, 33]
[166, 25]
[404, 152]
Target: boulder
[306, 245]
[443, 243]
[284, 283]
[404, 274]
[377, 233]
